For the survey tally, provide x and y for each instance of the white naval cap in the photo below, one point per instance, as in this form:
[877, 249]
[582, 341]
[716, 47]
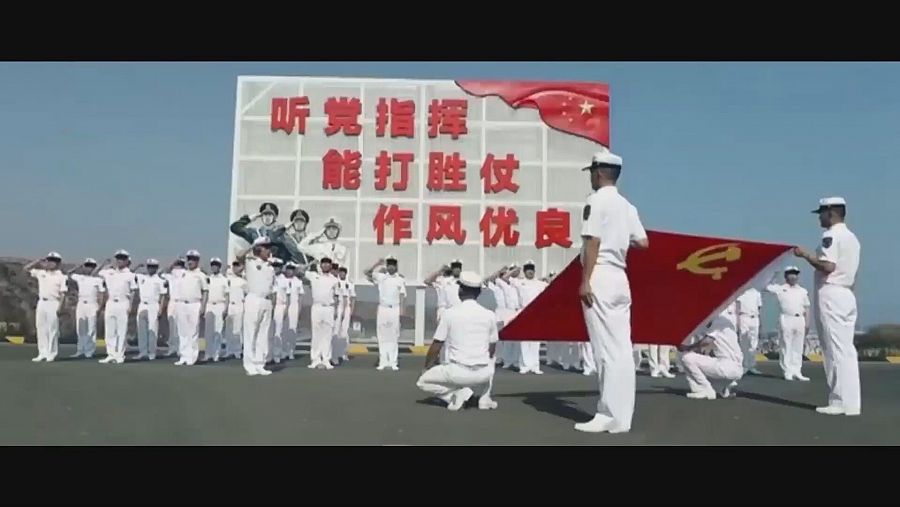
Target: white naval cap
[192, 253]
[276, 261]
[512, 266]
[470, 279]
[604, 157]
[262, 241]
[216, 260]
[122, 253]
[528, 263]
[390, 259]
[152, 262]
[90, 260]
[290, 265]
[54, 255]
[791, 269]
[830, 201]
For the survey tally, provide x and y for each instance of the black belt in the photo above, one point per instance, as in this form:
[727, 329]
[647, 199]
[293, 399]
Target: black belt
[389, 306]
[48, 299]
[149, 303]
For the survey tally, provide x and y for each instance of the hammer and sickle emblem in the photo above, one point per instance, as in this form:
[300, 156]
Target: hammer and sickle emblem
[698, 262]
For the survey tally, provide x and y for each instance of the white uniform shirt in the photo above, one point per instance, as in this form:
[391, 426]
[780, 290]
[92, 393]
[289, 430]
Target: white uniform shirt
[119, 283]
[260, 276]
[293, 288]
[173, 278]
[529, 290]
[467, 331]
[218, 288]
[610, 217]
[237, 287]
[89, 287]
[510, 294]
[841, 247]
[724, 332]
[390, 288]
[792, 300]
[192, 285]
[281, 289]
[150, 287]
[51, 284]
[346, 289]
[448, 291]
[439, 291]
[499, 295]
[324, 288]
[750, 302]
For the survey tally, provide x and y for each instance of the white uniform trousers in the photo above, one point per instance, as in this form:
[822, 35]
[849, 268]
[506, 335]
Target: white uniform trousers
[608, 323]
[234, 324]
[699, 368]
[116, 328]
[749, 340]
[388, 333]
[172, 318]
[571, 354]
[47, 323]
[553, 354]
[276, 338]
[255, 335]
[147, 328]
[793, 331]
[588, 361]
[837, 324]
[658, 357]
[322, 323]
[86, 327]
[213, 328]
[289, 335]
[188, 323]
[341, 341]
[444, 380]
[636, 353]
[531, 356]
[437, 320]
[507, 352]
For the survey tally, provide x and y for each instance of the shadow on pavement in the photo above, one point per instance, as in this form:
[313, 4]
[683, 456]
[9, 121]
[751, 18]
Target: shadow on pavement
[740, 394]
[552, 403]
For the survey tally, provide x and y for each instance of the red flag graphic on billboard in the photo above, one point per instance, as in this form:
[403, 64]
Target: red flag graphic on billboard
[573, 107]
[676, 286]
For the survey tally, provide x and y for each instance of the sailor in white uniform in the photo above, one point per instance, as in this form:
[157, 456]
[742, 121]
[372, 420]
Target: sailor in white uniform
[725, 363]
[325, 244]
[293, 287]
[234, 320]
[469, 331]
[749, 307]
[610, 226]
[194, 292]
[391, 299]
[836, 262]
[90, 286]
[173, 276]
[151, 293]
[216, 309]
[260, 277]
[529, 289]
[51, 291]
[120, 291]
[793, 322]
[346, 302]
[324, 291]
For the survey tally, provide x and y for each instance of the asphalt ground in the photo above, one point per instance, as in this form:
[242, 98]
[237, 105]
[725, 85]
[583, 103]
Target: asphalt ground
[81, 402]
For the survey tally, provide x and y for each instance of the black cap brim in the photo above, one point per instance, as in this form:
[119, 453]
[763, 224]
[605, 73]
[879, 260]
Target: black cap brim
[57, 259]
[598, 166]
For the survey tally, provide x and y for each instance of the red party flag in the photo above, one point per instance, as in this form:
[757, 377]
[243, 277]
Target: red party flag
[573, 107]
[677, 285]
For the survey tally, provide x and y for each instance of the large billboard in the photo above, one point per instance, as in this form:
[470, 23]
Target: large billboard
[487, 172]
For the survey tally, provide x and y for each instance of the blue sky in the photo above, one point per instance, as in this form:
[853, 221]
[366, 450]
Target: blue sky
[100, 156]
